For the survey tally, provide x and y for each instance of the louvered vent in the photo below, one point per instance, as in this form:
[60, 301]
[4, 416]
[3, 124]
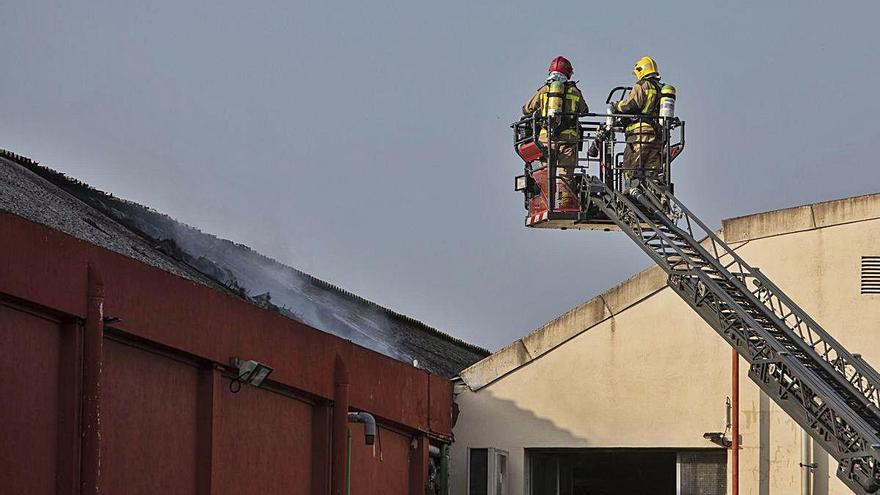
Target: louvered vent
[870, 274]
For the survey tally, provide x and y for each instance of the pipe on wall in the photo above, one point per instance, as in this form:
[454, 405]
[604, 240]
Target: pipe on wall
[734, 429]
[93, 364]
[339, 439]
[444, 470]
[369, 425]
[348, 463]
[806, 463]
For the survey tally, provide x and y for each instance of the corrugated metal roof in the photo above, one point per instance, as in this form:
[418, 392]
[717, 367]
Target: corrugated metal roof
[30, 196]
[50, 198]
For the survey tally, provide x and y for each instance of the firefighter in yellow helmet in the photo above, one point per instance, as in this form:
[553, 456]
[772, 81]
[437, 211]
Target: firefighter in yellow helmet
[564, 144]
[641, 157]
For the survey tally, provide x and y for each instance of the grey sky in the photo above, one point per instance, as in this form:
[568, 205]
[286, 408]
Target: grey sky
[367, 142]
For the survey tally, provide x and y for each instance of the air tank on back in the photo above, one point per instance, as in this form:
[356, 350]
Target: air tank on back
[667, 101]
[555, 98]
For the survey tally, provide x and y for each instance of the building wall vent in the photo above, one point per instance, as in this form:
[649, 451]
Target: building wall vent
[870, 274]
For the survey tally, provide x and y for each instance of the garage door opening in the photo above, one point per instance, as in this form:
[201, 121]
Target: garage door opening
[627, 471]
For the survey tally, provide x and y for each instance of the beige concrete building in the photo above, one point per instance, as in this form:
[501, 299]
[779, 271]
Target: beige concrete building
[615, 395]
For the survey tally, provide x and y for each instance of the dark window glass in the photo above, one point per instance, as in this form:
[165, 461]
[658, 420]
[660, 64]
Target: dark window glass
[479, 472]
[544, 469]
[620, 471]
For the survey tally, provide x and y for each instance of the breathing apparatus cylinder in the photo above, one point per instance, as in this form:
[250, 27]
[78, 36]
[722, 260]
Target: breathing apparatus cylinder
[667, 101]
[555, 98]
[603, 132]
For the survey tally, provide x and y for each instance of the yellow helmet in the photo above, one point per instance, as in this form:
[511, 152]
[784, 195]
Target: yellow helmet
[644, 67]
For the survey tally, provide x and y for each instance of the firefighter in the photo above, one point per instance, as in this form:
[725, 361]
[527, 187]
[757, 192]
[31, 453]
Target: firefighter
[641, 157]
[564, 143]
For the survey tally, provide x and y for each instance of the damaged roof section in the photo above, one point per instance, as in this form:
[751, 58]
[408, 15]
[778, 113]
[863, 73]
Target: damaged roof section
[27, 195]
[45, 196]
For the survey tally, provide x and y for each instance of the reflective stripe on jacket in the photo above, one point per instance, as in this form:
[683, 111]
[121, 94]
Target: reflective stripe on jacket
[573, 106]
[644, 99]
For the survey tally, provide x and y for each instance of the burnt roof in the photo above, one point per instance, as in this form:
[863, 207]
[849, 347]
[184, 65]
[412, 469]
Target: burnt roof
[30, 196]
[48, 197]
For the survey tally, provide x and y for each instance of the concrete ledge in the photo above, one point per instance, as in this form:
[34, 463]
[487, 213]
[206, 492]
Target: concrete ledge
[847, 210]
[801, 218]
[570, 324]
[767, 224]
[502, 362]
[634, 289]
[564, 328]
[735, 232]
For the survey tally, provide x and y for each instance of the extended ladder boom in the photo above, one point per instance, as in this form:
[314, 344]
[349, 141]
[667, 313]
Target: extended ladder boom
[831, 393]
[828, 391]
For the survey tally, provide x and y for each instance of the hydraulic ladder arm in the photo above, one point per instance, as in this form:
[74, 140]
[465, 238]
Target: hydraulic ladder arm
[832, 394]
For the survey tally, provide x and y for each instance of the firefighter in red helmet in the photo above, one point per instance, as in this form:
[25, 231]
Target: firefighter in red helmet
[558, 91]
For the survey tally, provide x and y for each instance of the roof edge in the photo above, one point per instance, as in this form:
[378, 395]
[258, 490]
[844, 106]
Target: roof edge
[573, 323]
[802, 218]
[736, 231]
[60, 179]
[565, 327]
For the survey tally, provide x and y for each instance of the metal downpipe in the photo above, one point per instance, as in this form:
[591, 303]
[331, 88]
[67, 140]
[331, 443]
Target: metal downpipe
[806, 463]
[734, 428]
[93, 364]
[444, 469]
[369, 425]
[348, 462]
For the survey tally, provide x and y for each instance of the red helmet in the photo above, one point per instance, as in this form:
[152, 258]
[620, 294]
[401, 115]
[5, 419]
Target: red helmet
[561, 64]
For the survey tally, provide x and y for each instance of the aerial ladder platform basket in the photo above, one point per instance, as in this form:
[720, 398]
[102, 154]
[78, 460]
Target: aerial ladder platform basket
[831, 393]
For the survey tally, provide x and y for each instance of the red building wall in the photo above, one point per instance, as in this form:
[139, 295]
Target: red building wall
[29, 432]
[149, 414]
[262, 439]
[382, 469]
[169, 422]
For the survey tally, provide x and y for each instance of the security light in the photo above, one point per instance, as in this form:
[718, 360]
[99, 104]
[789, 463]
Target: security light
[251, 372]
[718, 438]
[520, 183]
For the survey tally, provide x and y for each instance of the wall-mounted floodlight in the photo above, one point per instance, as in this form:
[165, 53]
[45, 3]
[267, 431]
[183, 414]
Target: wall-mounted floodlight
[251, 372]
[718, 437]
[520, 183]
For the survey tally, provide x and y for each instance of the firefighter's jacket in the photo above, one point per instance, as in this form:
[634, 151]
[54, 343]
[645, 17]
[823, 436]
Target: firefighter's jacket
[644, 99]
[574, 104]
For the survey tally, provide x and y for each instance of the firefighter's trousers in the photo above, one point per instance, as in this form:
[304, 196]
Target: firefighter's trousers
[641, 157]
[566, 155]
